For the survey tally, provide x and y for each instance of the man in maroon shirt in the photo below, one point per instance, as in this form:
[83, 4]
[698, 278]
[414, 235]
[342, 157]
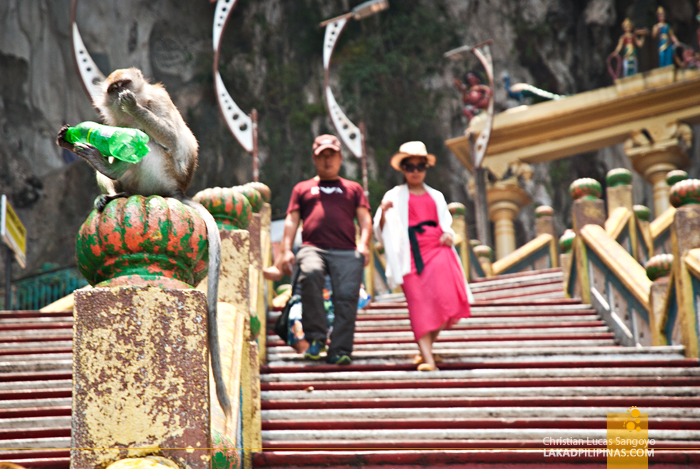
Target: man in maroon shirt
[328, 205]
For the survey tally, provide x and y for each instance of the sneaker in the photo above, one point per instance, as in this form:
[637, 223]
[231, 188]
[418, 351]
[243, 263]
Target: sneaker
[314, 350]
[339, 360]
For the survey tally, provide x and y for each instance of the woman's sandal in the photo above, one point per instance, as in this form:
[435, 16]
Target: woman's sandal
[427, 367]
[418, 359]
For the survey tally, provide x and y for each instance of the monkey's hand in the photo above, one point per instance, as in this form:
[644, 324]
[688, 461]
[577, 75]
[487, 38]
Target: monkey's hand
[127, 101]
[61, 139]
[87, 152]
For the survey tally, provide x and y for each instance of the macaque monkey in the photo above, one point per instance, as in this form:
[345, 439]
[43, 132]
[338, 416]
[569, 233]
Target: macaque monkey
[129, 100]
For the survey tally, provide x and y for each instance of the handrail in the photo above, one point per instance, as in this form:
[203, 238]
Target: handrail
[526, 255]
[619, 261]
[692, 262]
[617, 221]
[623, 280]
[660, 229]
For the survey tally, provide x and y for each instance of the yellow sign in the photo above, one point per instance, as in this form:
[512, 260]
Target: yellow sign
[12, 231]
[628, 440]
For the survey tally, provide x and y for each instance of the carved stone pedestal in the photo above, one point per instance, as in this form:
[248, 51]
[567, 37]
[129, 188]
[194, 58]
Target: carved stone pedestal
[654, 152]
[505, 199]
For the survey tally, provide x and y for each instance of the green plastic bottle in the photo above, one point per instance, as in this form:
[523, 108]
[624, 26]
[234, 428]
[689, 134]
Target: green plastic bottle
[123, 143]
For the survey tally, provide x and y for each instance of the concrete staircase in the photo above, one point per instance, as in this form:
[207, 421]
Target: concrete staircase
[527, 366]
[35, 388]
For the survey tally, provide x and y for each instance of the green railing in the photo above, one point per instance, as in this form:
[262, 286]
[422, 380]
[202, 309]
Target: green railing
[38, 290]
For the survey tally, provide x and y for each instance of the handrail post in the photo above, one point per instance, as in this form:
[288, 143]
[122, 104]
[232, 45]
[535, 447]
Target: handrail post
[685, 235]
[566, 245]
[587, 209]
[544, 223]
[659, 270]
[619, 195]
[459, 225]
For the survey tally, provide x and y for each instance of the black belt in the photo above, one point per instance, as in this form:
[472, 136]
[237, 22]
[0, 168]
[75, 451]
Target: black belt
[415, 248]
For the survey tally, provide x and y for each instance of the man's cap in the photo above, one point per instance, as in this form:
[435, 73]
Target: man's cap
[408, 150]
[325, 141]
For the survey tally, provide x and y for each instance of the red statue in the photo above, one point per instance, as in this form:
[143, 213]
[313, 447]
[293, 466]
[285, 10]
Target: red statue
[475, 95]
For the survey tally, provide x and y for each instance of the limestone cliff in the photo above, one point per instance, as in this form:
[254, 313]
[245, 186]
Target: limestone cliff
[387, 71]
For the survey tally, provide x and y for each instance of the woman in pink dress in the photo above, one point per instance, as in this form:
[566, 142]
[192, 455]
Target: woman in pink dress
[414, 225]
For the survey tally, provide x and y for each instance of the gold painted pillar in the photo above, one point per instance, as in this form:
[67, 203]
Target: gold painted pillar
[656, 150]
[505, 199]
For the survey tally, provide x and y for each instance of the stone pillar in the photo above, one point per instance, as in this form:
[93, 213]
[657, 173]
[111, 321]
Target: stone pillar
[587, 209]
[459, 225]
[685, 235]
[619, 195]
[140, 349]
[505, 199]
[485, 256]
[645, 246]
[544, 224]
[659, 270]
[544, 221]
[660, 148]
[566, 244]
[619, 189]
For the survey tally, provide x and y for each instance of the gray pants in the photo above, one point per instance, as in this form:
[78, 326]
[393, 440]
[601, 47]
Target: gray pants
[345, 269]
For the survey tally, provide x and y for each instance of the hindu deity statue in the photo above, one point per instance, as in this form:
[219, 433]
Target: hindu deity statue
[628, 44]
[475, 95]
[666, 39]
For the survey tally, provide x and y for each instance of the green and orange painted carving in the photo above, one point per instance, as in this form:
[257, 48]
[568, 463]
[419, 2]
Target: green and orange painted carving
[224, 452]
[253, 196]
[143, 241]
[685, 193]
[585, 189]
[677, 175]
[643, 213]
[456, 208]
[484, 251]
[264, 190]
[544, 211]
[566, 242]
[229, 207]
[618, 177]
[659, 266]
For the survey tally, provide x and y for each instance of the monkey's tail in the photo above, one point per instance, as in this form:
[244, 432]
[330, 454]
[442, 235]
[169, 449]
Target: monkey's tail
[212, 299]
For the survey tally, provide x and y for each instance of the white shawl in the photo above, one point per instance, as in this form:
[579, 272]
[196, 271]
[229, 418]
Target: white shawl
[394, 236]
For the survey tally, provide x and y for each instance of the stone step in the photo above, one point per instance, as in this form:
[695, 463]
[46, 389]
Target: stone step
[20, 346]
[32, 335]
[36, 443]
[378, 339]
[40, 322]
[512, 353]
[487, 332]
[477, 321]
[38, 365]
[480, 287]
[621, 370]
[399, 359]
[462, 434]
[310, 386]
[279, 351]
[524, 291]
[372, 423]
[34, 403]
[438, 393]
[429, 413]
[46, 384]
[35, 422]
[10, 357]
[416, 454]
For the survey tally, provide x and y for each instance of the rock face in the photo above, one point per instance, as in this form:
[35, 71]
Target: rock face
[387, 71]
